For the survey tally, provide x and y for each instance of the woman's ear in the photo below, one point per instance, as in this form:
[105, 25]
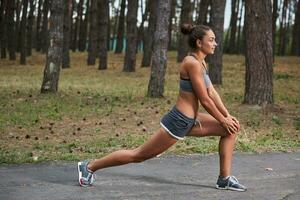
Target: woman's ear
[199, 43]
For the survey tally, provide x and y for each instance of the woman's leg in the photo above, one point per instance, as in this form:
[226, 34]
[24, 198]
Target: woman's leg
[211, 127]
[158, 143]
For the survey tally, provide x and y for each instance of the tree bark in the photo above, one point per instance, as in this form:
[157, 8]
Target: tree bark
[274, 19]
[172, 15]
[141, 30]
[93, 34]
[131, 36]
[66, 30]
[217, 25]
[17, 25]
[282, 29]
[185, 17]
[240, 32]
[233, 26]
[120, 34]
[10, 34]
[3, 39]
[83, 29]
[44, 33]
[54, 55]
[259, 71]
[203, 10]
[38, 43]
[149, 33]
[29, 28]
[103, 16]
[160, 47]
[23, 35]
[296, 32]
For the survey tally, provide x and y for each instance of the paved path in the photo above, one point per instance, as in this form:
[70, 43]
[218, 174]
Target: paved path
[164, 178]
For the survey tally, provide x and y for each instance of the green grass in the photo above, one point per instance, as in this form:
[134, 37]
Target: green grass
[96, 112]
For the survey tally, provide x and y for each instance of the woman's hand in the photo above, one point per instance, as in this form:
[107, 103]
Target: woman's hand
[231, 124]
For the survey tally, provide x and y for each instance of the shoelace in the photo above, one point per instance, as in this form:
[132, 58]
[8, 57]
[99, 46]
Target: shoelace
[233, 180]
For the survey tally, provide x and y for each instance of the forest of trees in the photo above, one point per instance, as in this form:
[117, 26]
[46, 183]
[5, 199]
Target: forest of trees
[57, 27]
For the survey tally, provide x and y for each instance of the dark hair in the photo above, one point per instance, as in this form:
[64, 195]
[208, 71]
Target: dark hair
[194, 32]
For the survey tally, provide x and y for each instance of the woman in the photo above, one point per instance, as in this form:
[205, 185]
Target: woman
[184, 119]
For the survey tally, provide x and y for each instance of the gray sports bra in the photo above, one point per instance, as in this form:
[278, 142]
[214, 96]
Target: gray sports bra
[186, 84]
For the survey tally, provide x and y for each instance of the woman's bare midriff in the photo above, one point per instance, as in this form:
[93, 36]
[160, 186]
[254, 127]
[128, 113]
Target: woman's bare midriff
[187, 103]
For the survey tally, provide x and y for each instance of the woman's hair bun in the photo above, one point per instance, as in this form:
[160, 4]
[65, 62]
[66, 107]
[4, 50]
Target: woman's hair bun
[186, 29]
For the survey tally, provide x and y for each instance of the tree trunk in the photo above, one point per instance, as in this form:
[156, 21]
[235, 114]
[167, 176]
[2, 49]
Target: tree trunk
[66, 30]
[83, 29]
[23, 35]
[296, 32]
[93, 34]
[233, 26]
[38, 45]
[274, 19]
[17, 25]
[29, 28]
[72, 26]
[185, 17]
[141, 30]
[172, 15]
[203, 10]
[10, 34]
[131, 36]
[239, 37]
[282, 29]
[160, 47]
[103, 16]
[259, 71]
[44, 34]
[149, 33]
[120, 34]
[3, 39]
[54, 55]
[217, 24]
[115, 26]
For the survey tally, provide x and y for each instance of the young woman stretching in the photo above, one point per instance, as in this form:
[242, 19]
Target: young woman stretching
[184, 119]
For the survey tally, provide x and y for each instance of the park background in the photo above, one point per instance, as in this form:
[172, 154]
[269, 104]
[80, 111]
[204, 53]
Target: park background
[78, 80]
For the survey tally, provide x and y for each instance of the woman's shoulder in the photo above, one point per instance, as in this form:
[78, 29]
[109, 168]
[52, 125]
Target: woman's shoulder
[190, 63]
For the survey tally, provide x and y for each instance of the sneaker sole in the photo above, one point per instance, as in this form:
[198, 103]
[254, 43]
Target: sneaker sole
[230, 188]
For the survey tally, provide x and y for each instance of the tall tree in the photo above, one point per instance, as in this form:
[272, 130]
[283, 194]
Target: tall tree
[66, 29]
[274, 19]
[103, 16]
[141, 27]
[121, 22]
[54, 55]
[44, 31]
[23, 35]
[203, 11]
[217, 24]
[296, 32]
[259, 71]
[93, 34]
[282, 29]
[38, 43]
[29, 28]
[149, 33]
[17, 24]
[160, 47]
[2, 29]
[240, 44]
[233, 25]
[10, 31]
[131, 36]
[83, 28]
[172, 15]
[185, 17]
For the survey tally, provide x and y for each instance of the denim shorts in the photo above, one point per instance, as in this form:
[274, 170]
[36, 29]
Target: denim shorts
[177, 124]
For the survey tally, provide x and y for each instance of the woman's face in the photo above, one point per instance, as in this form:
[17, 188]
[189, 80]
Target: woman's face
[208, 43]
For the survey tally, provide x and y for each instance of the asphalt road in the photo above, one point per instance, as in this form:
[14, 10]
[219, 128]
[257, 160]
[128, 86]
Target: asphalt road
[267, 176]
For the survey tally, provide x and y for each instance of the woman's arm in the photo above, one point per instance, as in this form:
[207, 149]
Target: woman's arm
[195, 74]
[213, 94]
